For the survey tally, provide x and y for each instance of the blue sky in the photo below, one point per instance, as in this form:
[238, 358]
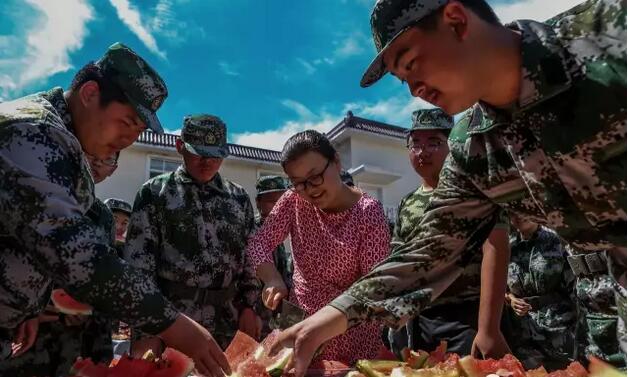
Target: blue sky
[268, 68]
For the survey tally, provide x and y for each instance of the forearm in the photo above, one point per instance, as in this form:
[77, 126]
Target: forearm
[493, 281]
[267, 272]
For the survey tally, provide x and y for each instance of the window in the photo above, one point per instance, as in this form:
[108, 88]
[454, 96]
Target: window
[160, 165]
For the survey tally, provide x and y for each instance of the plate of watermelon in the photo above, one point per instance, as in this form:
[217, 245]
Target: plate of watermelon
[171, 363]
[439, 363]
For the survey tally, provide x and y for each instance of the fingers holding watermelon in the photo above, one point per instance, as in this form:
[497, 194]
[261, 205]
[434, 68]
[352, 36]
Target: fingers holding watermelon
[197, 343]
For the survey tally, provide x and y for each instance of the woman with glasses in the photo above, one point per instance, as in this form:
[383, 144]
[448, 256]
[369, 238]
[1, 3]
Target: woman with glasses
[338, 234]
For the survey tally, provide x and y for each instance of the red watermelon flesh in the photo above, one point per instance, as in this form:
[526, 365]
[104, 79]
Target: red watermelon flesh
[574, 369]
[241, 348]
[66, 304]
[130, 367]
[438, 355]
[172, 364]
[481, 368]
[87, 368]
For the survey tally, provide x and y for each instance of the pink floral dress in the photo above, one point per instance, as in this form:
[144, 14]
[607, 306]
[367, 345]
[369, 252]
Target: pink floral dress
[330, 252]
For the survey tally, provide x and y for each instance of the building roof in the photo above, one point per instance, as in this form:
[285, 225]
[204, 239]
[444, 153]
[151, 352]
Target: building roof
[350, 121]
[242, 151]
[367, 125]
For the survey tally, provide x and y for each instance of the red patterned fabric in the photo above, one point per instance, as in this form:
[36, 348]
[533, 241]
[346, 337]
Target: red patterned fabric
[330, 252]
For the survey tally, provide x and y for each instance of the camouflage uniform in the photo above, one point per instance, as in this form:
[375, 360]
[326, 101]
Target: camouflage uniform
[539, 274]
[190, 237]
[57, 345]
[451, 316]
[557, 157]
[45, 194]
[282, 257]
[597, 327]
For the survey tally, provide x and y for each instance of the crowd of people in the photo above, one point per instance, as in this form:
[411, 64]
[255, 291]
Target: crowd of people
[513, 242]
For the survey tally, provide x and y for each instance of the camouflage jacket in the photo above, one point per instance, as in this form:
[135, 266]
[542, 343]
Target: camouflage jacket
[467, 286]
[194, 234]
[45, 193]
[539, 272]
[558, 157]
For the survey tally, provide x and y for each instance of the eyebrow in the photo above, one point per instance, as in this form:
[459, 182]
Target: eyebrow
[398, 57]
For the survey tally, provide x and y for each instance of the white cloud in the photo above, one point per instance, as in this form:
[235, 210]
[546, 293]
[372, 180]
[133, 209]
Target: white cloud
[539, 10]
[130, 16]
[395, 110]
[228, 69]
[351, 45]
[59, 30]
[309, 68]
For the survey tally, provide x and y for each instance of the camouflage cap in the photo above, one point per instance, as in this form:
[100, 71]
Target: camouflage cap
[346, 178]
[143, 87]
[271, 183]
[118, 205]
[431, 119]
[389, 19]
[205, 135]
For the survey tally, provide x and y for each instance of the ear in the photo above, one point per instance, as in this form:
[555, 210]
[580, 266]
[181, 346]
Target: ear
[179, 146]
[337, 162]
[89, 94]
[456, 17]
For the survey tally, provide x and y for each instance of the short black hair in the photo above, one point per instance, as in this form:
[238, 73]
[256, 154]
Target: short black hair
[109, 91]
[307, 141]
[480, 7]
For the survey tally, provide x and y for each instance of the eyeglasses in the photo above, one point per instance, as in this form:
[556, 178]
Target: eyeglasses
[313, 180]
[430, 147]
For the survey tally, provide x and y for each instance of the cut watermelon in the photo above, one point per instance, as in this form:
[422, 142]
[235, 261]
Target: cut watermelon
[241, 348]
[244, 351]
[599, 368]
[172, 364]
[538, 372]
[506, 366]
[437, 356]
[377, 368]
[415, 359]
[87, 368]
[130, 367]
[66, 304]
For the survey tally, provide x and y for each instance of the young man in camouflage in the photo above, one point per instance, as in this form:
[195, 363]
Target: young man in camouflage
[453, 316]
[269, 189]
[546, 139]
[121, 213]
[188, 231]
[46, 193]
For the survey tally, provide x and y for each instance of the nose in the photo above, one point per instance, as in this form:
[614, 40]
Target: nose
[418, 89]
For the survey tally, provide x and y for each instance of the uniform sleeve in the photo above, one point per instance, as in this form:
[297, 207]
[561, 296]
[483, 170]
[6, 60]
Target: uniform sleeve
[143, 234]
[457, 220]
[45, 187]
[248, 285]
[376, 240]
[273, 231]
[396, 239]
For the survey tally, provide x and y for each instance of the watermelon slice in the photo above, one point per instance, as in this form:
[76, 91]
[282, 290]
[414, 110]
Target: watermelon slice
[377, 368]
[599, 368]
[241, 348]
[447, 368]
[172, 364]
[538, 372]
[414, 359]
[243, 352]
[67, 305]
[87, 368]
[437, 356]
[506, 366]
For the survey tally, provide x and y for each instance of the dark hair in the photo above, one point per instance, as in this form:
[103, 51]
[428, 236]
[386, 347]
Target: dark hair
[480, 7]
[307, 141]
[109, 91]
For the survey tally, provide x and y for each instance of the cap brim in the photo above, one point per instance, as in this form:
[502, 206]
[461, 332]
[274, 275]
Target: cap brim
[207, 151]
[269, 191]
[149, 117]
[377, 69]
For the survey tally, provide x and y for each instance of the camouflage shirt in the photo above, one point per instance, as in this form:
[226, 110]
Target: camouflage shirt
[558, 158]
[45, 193]
[195, 235]
[467, 286]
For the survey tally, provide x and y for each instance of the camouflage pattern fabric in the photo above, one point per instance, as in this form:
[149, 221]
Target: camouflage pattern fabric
[283, 262]
[118, 205]
[58, 345]
[191, 235]
[47, 237]
[539, 273]
[557, 158]
[271, 183]
[205, 135]
[431, 119]
[143, 87]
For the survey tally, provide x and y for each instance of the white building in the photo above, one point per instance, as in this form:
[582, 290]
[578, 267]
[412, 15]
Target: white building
[374, 153]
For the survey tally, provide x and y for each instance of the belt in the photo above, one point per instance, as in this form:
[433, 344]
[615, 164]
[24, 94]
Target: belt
[216, 297]
[587, 264]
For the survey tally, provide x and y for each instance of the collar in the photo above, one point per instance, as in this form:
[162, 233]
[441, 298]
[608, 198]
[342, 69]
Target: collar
[546, 71]
[182, 176]
[57, 100]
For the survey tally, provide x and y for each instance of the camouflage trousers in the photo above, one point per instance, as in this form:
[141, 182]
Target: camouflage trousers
[57, 347]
